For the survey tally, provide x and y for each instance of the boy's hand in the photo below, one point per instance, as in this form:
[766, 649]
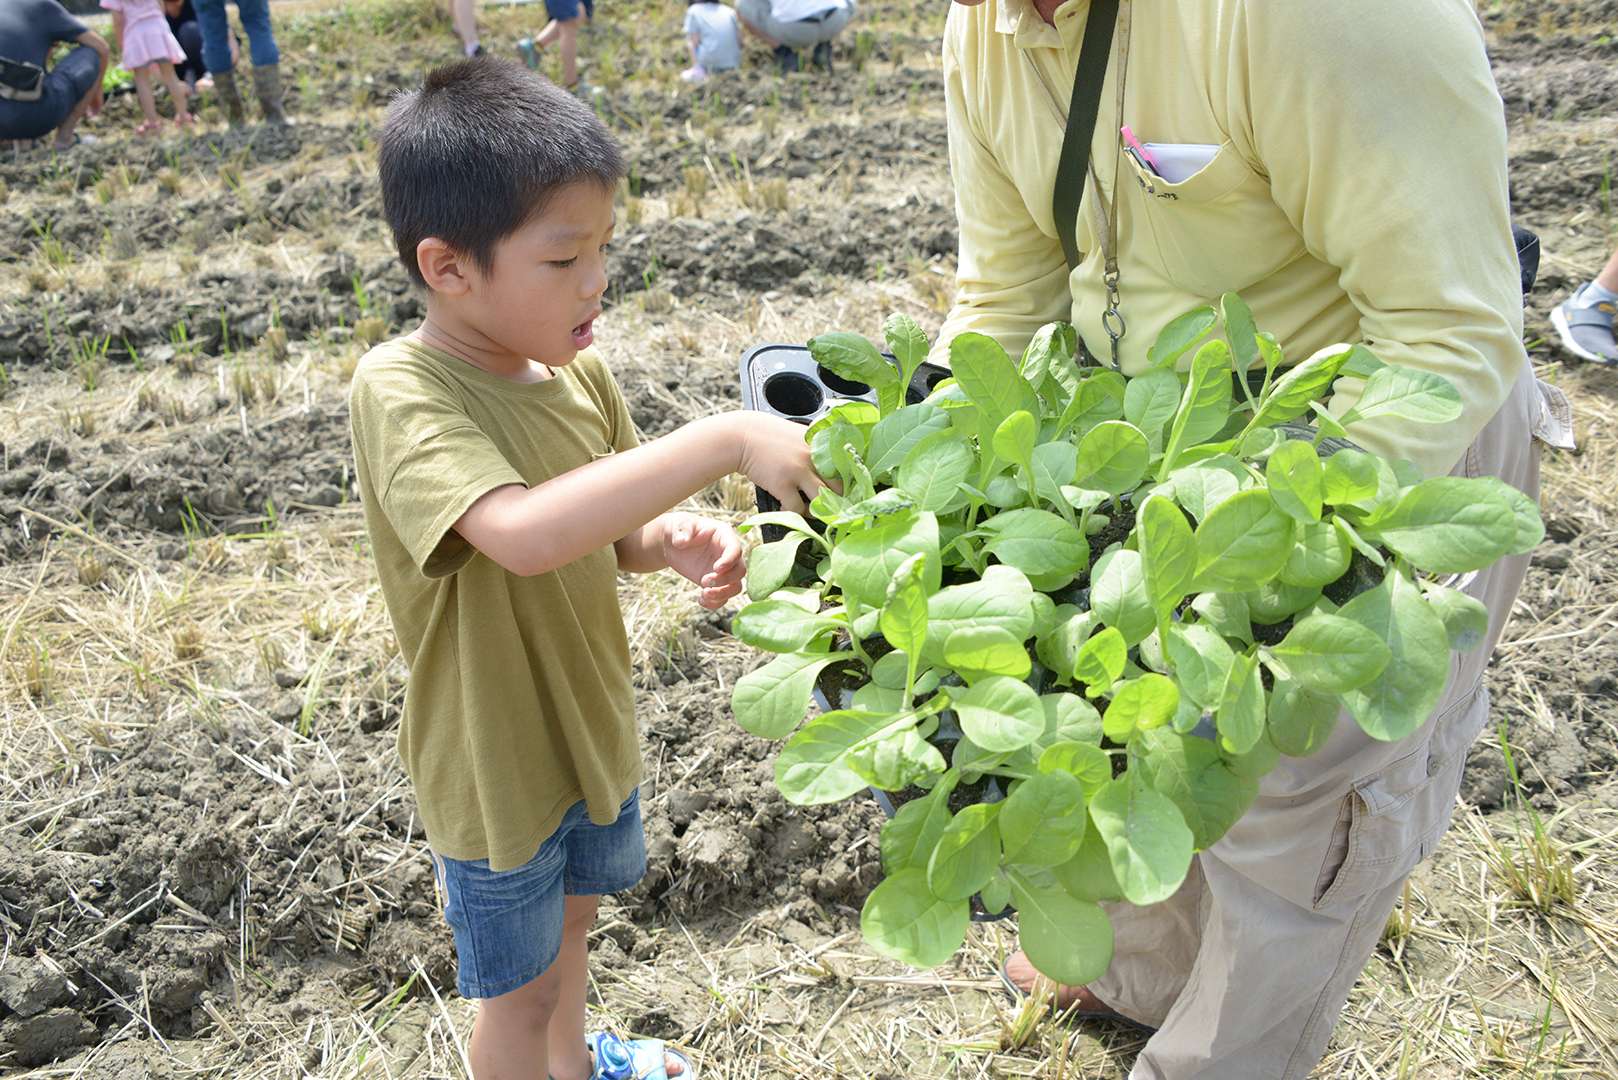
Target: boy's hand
[775, 456]
[706, 552]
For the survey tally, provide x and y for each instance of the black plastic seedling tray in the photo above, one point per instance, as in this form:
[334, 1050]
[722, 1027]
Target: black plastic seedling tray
[787, 381]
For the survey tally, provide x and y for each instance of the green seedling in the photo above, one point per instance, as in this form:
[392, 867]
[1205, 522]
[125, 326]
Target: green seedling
[1117, 602]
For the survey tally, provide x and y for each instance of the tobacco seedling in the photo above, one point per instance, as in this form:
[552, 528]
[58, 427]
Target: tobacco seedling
[1073, 619]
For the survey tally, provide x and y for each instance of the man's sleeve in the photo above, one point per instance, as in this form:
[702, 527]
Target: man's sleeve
[1012, 277]
[1384, 139]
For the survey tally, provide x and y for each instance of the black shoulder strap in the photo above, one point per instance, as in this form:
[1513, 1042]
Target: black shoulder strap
[1081, 123]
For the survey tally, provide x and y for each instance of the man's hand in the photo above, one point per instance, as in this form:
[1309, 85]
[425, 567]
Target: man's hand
[706, 552]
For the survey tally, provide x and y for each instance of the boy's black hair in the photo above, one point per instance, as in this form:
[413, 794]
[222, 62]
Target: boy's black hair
[479, 150]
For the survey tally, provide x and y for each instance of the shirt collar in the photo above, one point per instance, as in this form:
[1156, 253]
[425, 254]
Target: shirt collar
[1027, 30]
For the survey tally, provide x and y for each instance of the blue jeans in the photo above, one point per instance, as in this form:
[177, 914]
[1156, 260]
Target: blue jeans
[508, 923]
[255, 16]
[64, 87]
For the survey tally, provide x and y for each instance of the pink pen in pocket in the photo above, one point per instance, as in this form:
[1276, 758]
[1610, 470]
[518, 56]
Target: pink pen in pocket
[1140, 152]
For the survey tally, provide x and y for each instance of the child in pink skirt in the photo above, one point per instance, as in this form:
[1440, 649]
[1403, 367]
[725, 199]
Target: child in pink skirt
[144, 39]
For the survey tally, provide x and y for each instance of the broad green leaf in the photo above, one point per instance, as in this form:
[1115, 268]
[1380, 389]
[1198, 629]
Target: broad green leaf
[990, 379]
[1068, 939]
[772, 700]
[845, 512]
[1059, 646]
[1201, 487]
[1089, 764]
[1118, 595]
[1053, 468]
[1258, 762]
[996, 892]
[1047, 363]
[1399, 701]
[1088, 874]
[1042, 822]
[1000, 713]
[1300, 722]
[1448, 525]
[909, 839]
[1113, 456]
[907, 342]
[1303, 383]
[895, 762]
[1465, 617]
[896, 434]
[852, 357]
[1319, 556]
[1168, 554]
[780, 625]
[784, 518]
[1243, 543]
[966, 854]
[770, 565]
[1271, 603]
[860, 414]
[1068, 717]
[864, 563]
[1100, 398]
[1201, 657]
[904, 921]
[1329, 654]
[1226, 613]
[1191, 773]
[1205, 406]
[976, 652]
[1241, 332]
[934, 469]
[1147, 838]
[1240, 716]
[1175, 339]
[1140, 705]
[904, 612]
[1015, 437]
[833, 449]
[1422, 396]
[1002, 598]
[813, 767]
[1150, 402]
[1296, 479]
[1350, 475]
[1530, 526]
[1101, 660]
[1036, 542]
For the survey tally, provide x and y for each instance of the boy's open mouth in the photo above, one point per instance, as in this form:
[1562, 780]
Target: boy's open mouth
[584, 334]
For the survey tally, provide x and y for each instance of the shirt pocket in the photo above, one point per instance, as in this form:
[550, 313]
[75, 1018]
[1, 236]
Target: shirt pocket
[1216, 231]
[1392, 819]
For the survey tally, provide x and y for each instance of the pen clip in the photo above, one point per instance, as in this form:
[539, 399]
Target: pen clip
[1137, 151]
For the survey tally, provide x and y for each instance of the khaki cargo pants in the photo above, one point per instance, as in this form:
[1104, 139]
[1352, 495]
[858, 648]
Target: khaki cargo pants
[1245, 970]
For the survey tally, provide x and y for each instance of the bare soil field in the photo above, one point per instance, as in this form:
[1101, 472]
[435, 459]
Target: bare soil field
[210, 862]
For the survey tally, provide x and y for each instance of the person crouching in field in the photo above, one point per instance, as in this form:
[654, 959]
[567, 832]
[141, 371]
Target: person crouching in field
[503, 493]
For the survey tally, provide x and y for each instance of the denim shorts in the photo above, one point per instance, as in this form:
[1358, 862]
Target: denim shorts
[563, 10]
[508, 924]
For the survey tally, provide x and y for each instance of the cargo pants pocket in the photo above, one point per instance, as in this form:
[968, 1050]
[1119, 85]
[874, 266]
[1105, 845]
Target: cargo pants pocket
[1391, 820]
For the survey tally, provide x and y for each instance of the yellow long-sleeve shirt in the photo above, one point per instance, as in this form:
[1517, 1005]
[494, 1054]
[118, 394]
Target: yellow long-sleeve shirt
[1358, 193]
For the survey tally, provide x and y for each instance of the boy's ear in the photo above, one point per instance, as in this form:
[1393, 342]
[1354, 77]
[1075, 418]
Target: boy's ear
[444, 268]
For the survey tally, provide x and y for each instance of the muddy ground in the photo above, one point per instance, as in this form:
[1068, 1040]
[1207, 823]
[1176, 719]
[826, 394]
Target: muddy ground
[219, 846]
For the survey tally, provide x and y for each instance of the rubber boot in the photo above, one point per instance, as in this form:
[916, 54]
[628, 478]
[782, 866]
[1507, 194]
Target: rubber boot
[267, 81]
[224, 84]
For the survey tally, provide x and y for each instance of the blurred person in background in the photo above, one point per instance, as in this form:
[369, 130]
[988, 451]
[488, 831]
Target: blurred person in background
[1584, 320]
[221, 61]
[35, 101]
[789, 25]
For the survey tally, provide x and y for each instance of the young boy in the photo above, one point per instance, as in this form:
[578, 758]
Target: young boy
[503, 492]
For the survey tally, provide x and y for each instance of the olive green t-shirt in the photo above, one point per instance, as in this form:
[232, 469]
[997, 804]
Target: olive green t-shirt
[519, 701]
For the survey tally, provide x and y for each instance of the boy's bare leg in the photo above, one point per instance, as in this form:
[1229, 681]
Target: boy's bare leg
[1608, 278]
[537, 1030]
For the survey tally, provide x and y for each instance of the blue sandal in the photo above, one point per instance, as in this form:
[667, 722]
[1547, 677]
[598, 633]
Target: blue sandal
[637, 1059]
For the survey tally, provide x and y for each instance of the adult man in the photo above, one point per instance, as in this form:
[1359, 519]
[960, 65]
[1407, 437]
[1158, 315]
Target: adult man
[219, 53]
[1299, 173]
[34, 101]
[789, 25]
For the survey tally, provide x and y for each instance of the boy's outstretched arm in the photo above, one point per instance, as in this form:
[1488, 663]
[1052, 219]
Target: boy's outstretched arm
[535, 530]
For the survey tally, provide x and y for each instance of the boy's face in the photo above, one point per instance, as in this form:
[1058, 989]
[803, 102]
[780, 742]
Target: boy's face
[541, 300]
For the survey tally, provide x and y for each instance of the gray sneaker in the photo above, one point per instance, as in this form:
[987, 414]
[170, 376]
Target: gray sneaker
[1586, 332]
